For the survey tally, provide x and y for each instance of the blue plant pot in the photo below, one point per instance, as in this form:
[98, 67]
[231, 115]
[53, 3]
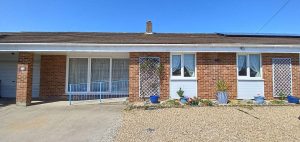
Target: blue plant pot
[154, 99]
[259, 99]
[292, 99]
[222, 97]
[183, 100]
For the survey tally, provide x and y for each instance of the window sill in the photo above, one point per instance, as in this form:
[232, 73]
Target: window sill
[174, 79]
[251, 79]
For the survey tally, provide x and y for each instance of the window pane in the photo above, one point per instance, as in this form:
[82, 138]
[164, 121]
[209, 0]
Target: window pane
[189, 65]
[254, 65]
[77, 81]
[100, 75]
[120, 68]
[176, 65]
[242, 65]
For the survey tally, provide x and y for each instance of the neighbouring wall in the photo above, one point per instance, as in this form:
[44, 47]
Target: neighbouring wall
[268, 73]
[134, 74]
[212, 67]
[53, 75]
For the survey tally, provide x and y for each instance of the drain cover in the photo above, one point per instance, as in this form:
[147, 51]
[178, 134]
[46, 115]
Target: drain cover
[150, 130]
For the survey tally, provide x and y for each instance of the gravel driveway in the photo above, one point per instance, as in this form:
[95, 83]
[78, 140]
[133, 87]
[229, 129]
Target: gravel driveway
[212, 124]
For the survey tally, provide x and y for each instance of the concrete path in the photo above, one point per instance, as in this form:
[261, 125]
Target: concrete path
[57, 121]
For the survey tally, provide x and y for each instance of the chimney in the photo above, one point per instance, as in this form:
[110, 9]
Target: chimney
[149, 27]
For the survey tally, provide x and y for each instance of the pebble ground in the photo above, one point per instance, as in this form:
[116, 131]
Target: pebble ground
[212, 124]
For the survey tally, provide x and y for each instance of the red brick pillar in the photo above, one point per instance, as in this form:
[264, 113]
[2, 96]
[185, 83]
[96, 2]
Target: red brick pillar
[24, 79]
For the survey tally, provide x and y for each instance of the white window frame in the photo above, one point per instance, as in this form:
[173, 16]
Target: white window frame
[247, 77]
[89, 73]
[181, 77]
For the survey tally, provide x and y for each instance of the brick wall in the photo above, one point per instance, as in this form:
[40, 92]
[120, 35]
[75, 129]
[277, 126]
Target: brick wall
[53, 75]
[24, 78]
[134, 75]
[212, 67]
[268, 74]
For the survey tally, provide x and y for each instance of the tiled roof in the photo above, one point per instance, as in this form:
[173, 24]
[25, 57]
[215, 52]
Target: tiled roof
[141, 38]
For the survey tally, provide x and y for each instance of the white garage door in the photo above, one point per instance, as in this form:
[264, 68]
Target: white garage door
[8, 79]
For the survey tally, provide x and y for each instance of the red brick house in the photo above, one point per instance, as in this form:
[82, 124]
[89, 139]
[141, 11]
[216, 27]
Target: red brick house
[51, 64]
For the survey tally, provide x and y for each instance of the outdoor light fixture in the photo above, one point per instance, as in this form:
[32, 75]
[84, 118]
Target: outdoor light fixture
[22, 68]
[217, 60]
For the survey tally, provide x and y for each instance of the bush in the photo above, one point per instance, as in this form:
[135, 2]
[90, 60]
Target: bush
[171, 103]
[206, 102]
[277, 102]
[282, 96]
[194, 101]
[221, 86]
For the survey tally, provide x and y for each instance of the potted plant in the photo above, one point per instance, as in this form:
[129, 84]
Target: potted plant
[181, 96]
[259, 99]
[292, 99]
[154, 98]
[222, 96]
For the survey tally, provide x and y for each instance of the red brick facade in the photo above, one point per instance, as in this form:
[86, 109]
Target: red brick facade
[52, 75]
[24, 78]
[212, 67]
[268, 73]
[134, 75]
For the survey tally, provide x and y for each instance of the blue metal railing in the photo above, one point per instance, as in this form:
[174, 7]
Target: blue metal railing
[0, 89]
[98, 90]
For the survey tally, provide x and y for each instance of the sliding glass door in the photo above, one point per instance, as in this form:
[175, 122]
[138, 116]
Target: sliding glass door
[105, 75]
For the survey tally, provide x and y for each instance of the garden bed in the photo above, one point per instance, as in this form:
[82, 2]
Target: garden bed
[174, 103]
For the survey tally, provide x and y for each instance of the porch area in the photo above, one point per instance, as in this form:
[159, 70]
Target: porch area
[69, 76]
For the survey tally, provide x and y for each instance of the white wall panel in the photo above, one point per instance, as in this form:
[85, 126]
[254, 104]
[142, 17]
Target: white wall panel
[247, 89]
[188, 86]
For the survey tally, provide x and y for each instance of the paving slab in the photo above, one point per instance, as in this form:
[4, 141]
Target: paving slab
[58, 121]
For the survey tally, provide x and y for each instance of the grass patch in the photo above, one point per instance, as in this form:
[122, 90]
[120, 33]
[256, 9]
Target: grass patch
[277, 102]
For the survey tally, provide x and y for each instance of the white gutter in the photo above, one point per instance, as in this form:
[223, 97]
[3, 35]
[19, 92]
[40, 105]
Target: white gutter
[85, 47]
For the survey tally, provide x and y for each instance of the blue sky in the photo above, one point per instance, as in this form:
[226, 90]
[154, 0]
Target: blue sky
[181, 16]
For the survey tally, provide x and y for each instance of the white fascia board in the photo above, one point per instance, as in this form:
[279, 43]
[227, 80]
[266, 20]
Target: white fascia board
[81, 47]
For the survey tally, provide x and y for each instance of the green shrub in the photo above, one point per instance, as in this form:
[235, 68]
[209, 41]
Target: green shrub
[277, 102]
[206, 102]
[194, 101]
[281, 96]
[221, 86]
[171, 103]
